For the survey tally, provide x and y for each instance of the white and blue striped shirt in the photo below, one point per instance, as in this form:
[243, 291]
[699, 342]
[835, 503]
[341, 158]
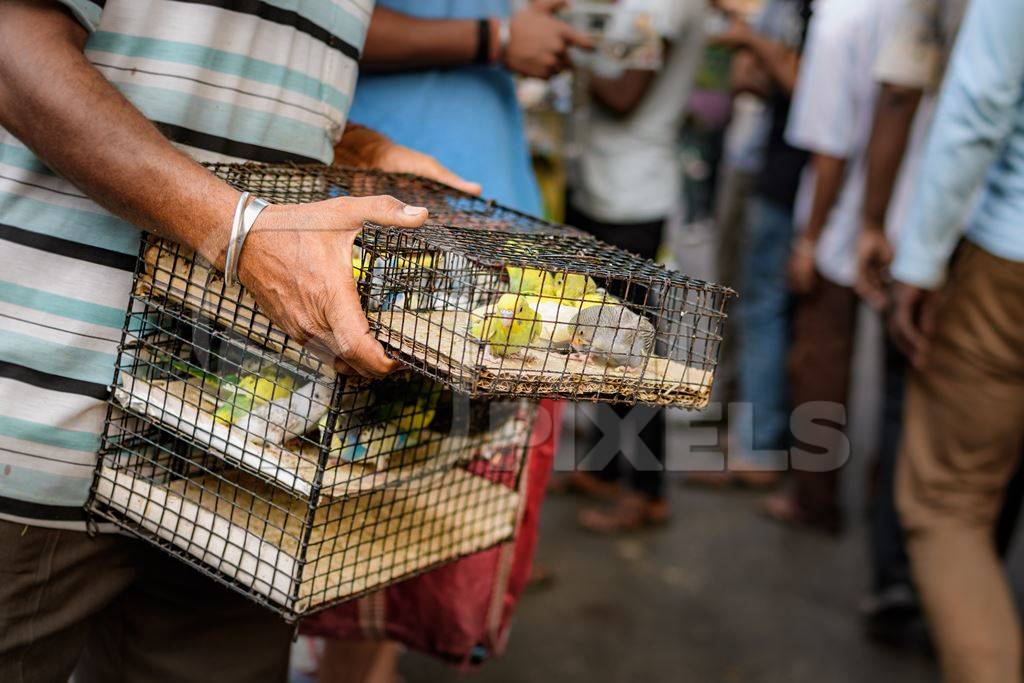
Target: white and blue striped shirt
[260, 80]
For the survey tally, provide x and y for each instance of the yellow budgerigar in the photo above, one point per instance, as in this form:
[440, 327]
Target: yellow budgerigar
[510, 327]
[568, 286]
[525, 280]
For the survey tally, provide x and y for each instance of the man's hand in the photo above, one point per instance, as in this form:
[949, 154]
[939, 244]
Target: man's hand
[363, 147]
[400, 159]
[297, 263]
[912, 321]
[874, 254]
[801, 270]
[538, 42]
[737, 35]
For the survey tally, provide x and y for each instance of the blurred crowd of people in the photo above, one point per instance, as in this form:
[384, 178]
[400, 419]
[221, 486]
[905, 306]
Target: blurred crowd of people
[872, 157]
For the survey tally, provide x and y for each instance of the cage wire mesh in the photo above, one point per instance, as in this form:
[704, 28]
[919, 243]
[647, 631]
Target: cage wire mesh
[236, 449]
[540, 315]
[424, 290]
[298, 488]
[293, 184]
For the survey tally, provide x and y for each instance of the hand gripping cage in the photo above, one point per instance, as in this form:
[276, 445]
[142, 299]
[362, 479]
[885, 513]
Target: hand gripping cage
[237, 450]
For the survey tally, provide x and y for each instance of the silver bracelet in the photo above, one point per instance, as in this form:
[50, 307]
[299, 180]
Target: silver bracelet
[251, 212]
[231, 257]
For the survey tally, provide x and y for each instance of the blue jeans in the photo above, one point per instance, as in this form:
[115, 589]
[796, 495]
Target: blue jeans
[764, 335]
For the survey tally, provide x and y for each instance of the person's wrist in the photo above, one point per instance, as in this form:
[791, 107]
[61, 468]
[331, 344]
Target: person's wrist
[804, 243]
[219, 211]
[873, 225]
[501, 33]
[257, 245]
[361, 147]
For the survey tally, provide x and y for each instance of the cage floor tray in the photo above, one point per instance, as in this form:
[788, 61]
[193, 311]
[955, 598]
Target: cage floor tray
[175, 405]
[251, 532]
[439, 340]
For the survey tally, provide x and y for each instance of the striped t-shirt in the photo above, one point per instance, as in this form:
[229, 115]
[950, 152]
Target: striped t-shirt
[262, 80]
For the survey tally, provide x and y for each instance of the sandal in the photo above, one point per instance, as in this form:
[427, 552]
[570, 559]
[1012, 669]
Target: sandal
[631, 513]
[784, 509]
[587, 485]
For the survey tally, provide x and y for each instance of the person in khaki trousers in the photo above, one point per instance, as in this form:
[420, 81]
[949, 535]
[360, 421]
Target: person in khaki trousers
[964, 333]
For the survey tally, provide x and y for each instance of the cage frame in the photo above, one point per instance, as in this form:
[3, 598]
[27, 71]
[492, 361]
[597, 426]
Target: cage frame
[281, 346]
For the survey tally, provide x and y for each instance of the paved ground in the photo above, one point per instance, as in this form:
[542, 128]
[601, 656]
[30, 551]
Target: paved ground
[721, 595]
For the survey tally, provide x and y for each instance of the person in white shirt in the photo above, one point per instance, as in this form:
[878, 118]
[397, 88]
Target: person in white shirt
[831, 117]
[629, 181]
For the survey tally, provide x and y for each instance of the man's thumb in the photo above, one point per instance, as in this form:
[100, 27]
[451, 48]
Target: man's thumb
[386, 210]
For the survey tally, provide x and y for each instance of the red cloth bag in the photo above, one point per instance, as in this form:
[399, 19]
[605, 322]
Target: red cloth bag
[459, 613]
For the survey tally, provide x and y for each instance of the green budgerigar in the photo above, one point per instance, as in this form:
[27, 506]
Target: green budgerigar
[507, 328]
[254, 390]
[398, 420]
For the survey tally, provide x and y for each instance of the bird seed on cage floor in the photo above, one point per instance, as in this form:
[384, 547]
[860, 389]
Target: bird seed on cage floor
[288, 422]
[292, 554]
[540, 315]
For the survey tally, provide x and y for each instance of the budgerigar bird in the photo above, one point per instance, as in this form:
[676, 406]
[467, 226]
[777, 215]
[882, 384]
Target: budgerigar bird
[397, 421]
[558, 315]
[568, 286]
[252, 391]
[508, 328]
[289, 416]
[614, 336]
[525, 280]
[557, 318]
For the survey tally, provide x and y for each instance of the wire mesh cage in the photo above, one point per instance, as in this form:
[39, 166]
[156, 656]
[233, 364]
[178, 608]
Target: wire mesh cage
[535, 315]
[294, 184]
[298, 488]
[423, 290]
[238, 450]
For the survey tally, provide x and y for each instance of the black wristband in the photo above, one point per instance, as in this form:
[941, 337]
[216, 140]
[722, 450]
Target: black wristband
[483, 42]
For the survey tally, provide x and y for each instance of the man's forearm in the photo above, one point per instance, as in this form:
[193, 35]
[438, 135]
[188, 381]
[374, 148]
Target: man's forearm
[781, 63]
[399, 41]
[894, 118]
[622, 95]
[747, 74]
[828, 181]
[68, 114]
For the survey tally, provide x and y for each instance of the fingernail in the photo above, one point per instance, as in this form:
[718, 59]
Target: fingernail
[413, 210]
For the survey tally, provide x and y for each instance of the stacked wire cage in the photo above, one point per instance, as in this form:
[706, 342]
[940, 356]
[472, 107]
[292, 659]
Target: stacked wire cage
[241, 452]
